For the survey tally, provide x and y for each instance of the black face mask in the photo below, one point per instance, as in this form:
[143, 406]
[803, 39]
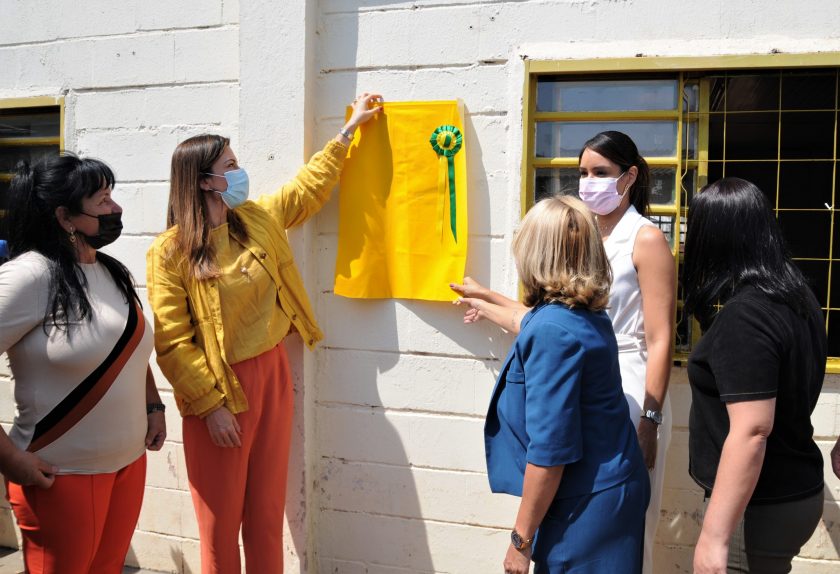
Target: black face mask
[110, 228]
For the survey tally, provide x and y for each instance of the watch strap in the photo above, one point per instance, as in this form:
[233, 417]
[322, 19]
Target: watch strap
[155, 407]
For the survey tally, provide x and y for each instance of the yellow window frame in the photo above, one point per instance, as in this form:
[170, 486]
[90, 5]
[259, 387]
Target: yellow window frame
[679, 66]
[33, 102]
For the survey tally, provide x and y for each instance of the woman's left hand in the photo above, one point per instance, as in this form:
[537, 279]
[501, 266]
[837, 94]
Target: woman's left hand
[517, 561]
[156, 432]
[710, 557]
[648, 434]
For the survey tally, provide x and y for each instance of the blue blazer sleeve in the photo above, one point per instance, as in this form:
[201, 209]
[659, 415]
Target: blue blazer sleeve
[553, 367]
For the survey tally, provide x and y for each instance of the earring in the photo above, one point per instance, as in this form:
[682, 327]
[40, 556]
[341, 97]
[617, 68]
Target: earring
[72, 235]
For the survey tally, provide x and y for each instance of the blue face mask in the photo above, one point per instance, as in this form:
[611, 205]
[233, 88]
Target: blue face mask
[237, 187]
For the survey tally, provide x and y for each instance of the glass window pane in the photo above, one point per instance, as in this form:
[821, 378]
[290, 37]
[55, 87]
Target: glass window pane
[29, 122]
[809, 91]
[816, 274]
[555, 95]
[716, 124]
[836, 250]
[834, 333]
[565, 139]
[9, 156]
[690, 141]
[805, 184]
[715, 171]
[807, 232]
[689, 186]
[4, 193]
[666, 224]
[683, 332]
[762, 174]
[550, 182]
[691, 97]
[807, 135]
[750, 93]
[835, 287]
[752, 136]
[662, 185]
[4, 202]
[717, 94]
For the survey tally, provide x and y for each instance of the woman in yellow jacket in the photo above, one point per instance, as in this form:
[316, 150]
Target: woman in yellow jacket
[225, 291]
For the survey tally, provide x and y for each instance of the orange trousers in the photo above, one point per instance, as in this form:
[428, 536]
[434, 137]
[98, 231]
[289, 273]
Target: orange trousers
[245, 486]
[82, 524]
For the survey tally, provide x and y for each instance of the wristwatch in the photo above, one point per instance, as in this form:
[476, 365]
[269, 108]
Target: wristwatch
[653, 416]
[155, 408]
[518, 542]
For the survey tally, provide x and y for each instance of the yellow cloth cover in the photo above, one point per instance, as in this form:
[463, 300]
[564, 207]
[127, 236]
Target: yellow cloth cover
[397, 234]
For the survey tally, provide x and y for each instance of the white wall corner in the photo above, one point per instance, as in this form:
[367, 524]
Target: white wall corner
[272, 144]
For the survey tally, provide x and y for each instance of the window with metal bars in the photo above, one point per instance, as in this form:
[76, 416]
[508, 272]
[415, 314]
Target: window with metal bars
[777, 127]
[30, 128]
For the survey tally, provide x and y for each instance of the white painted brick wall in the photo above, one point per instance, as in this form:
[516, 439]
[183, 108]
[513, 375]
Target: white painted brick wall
[399, 377]
[388, 470]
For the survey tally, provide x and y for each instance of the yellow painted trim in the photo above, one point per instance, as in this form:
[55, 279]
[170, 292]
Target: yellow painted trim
[832, 366]
[614, 116]
[61, 130]
[529, 97]
[703, 136]
[29, 142]
[544, 162]
[34, 102]
[685, 63]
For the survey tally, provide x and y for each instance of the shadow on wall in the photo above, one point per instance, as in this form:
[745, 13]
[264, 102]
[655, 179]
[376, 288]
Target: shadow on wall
[392, 423]
[831, 510]
[369, 510]
[8, 534]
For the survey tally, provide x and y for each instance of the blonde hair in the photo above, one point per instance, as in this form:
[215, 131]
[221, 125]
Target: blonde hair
[191, 161]
[560, 256]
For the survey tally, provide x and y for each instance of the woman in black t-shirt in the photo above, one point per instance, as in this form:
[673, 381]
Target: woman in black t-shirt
[755, 379]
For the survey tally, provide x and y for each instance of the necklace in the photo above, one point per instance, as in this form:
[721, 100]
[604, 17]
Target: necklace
[606, 229]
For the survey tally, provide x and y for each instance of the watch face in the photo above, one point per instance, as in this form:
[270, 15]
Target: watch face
[515, 539]
[655, 416]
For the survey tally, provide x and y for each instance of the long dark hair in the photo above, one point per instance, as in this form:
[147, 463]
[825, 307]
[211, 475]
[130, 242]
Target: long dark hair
[733, 240]
[36, 192]
[622, 151]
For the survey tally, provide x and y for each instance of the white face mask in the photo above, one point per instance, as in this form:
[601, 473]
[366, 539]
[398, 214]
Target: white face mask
[600, 194]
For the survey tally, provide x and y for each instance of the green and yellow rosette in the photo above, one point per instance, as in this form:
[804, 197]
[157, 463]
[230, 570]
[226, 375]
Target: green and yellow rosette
[446, 141]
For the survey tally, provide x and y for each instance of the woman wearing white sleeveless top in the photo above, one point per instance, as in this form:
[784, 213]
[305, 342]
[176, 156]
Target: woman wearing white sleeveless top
[615, 184]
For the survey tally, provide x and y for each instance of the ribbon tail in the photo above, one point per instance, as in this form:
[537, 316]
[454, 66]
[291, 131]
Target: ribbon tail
[440, 195]
[453, 220]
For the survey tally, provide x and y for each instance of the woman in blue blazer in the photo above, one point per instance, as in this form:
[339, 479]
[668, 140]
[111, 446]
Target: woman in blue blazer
[558, 430]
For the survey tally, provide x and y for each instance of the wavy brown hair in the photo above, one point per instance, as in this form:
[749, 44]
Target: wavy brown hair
[560, 256]
[191, 161]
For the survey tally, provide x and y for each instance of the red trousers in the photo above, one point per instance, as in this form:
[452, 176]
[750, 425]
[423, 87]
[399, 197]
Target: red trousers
[245, 486]
[82, 524]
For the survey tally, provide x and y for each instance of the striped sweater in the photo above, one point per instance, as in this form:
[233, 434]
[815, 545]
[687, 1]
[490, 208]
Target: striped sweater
[80, 399]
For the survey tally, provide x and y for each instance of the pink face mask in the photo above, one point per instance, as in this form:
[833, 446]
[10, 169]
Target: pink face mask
[600, 194]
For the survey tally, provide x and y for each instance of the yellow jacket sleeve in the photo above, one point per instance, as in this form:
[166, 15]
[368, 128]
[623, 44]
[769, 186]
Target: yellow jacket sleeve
[183, 363]
[302, 197]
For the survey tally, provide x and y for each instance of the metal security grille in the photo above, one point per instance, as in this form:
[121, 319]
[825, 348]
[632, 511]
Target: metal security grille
[775, 126]
[30, 128]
